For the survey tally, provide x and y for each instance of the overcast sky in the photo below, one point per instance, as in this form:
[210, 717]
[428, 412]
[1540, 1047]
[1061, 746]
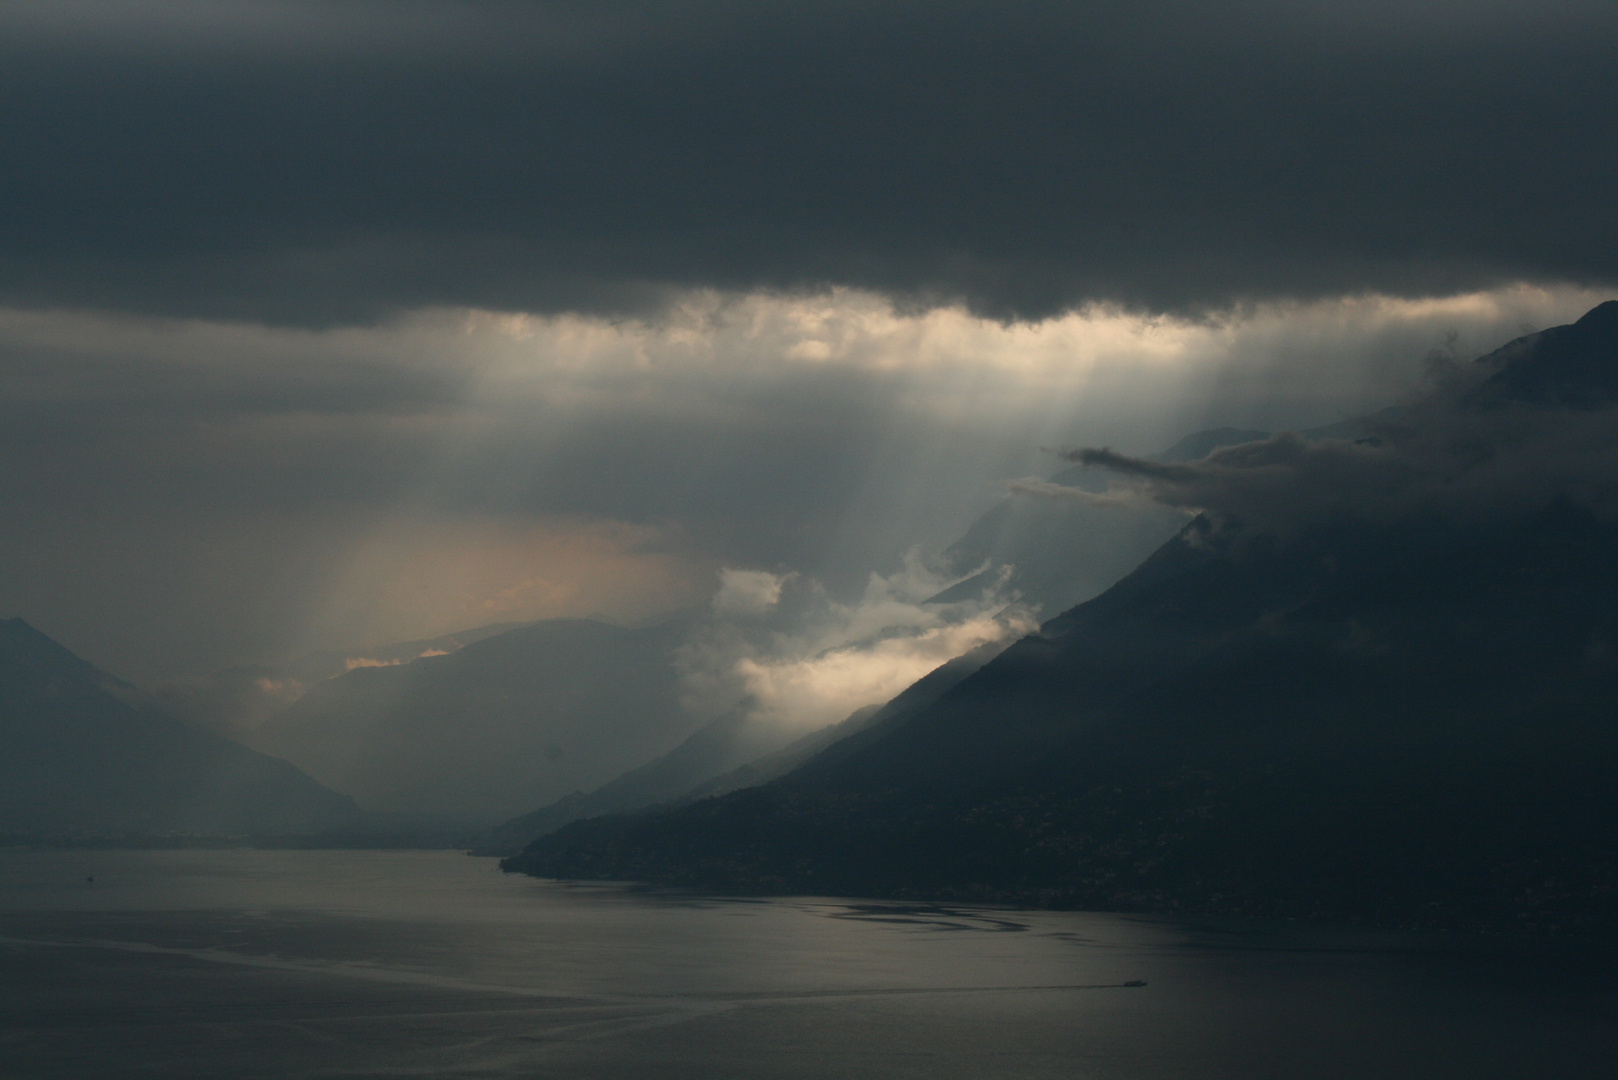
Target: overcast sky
[332, 322]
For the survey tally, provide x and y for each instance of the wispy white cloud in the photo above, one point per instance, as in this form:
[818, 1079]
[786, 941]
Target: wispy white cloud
[747, 592]
[819, 660]
[353, 662]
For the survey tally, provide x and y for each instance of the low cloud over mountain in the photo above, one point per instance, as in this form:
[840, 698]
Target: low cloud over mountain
[1533, 419]
[1373, 679]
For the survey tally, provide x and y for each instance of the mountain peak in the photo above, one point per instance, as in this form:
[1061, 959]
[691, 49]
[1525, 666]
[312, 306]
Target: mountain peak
[19, 629]
[1574, 365]
[24, 647]
[80, 751]
[1601, 319]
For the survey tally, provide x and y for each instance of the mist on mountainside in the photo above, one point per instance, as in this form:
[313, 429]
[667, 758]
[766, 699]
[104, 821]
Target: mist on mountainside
[786, 658]
[525, 717]
[1374, 678]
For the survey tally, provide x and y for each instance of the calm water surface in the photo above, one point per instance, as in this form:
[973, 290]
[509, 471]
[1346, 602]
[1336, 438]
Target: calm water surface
[434, 964]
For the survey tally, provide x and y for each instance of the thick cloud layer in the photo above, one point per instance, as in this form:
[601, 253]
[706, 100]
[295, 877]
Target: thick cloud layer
[184, 495]
[322, 162]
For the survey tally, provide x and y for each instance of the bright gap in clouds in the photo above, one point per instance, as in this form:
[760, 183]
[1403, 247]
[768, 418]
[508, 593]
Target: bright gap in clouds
[193, 494]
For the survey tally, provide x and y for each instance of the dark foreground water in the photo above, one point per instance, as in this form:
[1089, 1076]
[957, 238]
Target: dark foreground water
[430, 964]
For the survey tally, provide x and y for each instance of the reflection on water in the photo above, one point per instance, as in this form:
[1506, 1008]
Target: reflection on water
[294, 964]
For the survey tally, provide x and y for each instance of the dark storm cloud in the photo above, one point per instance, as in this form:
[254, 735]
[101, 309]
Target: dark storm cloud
[319, 163]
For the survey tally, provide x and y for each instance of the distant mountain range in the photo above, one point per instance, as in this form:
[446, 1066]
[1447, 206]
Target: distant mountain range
[512, 721]
[82, 752]
[1378, 680]
[237, 700]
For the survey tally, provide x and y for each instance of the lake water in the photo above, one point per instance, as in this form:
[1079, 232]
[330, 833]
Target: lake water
[433, 964]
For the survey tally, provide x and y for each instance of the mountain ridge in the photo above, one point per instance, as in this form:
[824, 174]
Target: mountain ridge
[508, 722]
[82, 751]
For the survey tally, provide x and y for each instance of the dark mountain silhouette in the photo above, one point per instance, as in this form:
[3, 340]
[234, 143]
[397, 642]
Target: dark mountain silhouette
[1574, 365]
[1408, 716]
[83, 752]
[512, 721]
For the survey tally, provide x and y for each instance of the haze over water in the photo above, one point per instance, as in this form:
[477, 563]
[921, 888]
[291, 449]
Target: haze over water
[283, 964]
